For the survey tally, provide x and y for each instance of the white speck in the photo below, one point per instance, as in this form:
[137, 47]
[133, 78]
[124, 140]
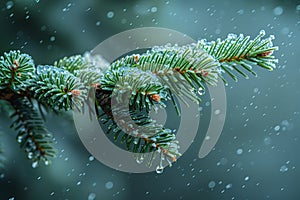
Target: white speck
[284, 168]
[201, 91]
[91, 158]
[11, 198]
[247, 178]
[262, 32]
[240, 12]
[52, 193]
[109, 185]
[34, 164]
[98, 23]
[52, 38]
[9, 5]
[277, 128]
[228, 186]
[211, 184]
[110, 14]
[239, 151]
[78, 183]
[278, 10]
[217, 112]
[92, 196]
[154, 9]
[37, 1]
[159, 169]
[255, 90]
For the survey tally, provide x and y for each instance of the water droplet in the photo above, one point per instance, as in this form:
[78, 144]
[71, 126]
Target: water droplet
[211, 184]
[278, 10]
[47, 162]
[52, 38]
[9, 5]
[109, 185]
[277, 128]
[217, 112]
[35, 164]
[228, 186]
[262, 32]
[284, 168]
[154, 9]
[110, 14]
[92, 196]
[239, 151]
[201, 91]
[240, 12]
[19, 139]
[159, 169]
[91, 158]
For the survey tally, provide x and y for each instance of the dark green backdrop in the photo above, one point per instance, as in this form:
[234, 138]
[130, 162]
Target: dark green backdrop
[257, 156]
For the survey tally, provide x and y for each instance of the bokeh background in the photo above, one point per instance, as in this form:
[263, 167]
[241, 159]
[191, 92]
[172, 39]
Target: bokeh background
[257, 156]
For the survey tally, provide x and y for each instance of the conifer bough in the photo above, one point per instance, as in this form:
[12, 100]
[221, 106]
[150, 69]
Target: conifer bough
[148, 80]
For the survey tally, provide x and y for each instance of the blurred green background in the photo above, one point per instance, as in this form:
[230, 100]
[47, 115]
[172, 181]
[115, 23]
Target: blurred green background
[257, 154]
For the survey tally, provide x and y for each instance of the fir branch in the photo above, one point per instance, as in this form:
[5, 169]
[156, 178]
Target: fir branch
[239, 53]
[141, 134]
[16, 71]
[181, 70]
[145, 88]
[87, 68]
[72, 64]
[147, 80]
[57, 88]
[32, 136]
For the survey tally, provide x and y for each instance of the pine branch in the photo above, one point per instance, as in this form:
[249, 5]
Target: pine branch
[239, 53]
[16, 71]
[87, 68]
[147, 80]
[141, 134]
[57, 88]
[181, 70]
[143, 86]
[32, 136]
